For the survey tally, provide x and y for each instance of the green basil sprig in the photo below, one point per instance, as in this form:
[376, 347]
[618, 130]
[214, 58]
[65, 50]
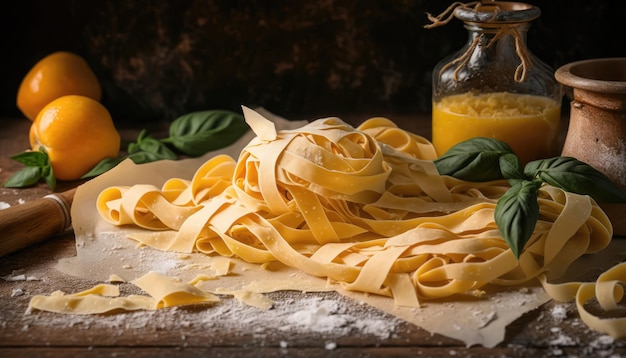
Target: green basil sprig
[148, 144]
[516, 214]
[517, 211]
[577, 177]
[37, 167]
[474, 160]
[200, 132]
[192, 135]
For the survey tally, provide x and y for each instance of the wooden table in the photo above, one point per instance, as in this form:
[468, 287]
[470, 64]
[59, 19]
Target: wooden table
[186, 331]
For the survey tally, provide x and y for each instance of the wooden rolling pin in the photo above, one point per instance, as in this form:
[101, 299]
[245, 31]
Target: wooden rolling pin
[26, 224]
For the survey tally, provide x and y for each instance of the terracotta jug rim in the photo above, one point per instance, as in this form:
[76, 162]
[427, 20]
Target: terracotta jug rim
[605, 75]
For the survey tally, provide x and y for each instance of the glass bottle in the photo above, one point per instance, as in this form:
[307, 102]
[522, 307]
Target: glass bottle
[495, 87]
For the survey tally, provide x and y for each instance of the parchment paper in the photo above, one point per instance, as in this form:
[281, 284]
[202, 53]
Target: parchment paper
[103, 250]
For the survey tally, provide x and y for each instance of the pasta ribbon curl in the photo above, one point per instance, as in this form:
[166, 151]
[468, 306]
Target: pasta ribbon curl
[607, 292]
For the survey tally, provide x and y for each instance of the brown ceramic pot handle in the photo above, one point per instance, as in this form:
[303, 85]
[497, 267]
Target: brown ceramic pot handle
[26, 224]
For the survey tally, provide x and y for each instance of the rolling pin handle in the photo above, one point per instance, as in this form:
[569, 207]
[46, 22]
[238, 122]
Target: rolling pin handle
[64, 207]
[34, 221]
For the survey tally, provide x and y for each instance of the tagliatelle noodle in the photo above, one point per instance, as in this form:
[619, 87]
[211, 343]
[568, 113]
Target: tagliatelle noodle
[364, 207]
[387, 132]
[608, 291]
[145, 206]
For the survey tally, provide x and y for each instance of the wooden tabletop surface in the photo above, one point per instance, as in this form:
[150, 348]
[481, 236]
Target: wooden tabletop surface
[191, 332]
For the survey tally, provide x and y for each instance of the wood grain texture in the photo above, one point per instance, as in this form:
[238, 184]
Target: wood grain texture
[33, 221]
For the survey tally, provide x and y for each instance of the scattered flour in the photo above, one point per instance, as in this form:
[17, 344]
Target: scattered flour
[19, 275]
[562, 339]
[320, 315]
[16, 292]
[602, 346]
[4, 205]
[331, 316]
[559, 313]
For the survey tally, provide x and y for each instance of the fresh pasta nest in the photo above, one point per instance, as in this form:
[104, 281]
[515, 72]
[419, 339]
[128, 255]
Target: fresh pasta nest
[364, 207]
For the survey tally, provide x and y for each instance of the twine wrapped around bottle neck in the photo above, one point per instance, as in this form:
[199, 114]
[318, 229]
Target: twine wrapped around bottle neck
[506, 29]
[448, 14]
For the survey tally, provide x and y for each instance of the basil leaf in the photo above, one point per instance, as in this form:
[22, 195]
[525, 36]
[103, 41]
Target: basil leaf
[144, 157]
[575, 176]
[511, 168]
[26, 177]
[476, 159]
[32, 158]
[37, 168]
[134, 146]
[197, 133]
[516, 214]
[147, 143]
[138, 157]
[47, 174]
[103, 166]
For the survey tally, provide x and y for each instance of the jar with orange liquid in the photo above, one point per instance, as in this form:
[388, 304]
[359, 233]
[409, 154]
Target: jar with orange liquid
[495, 87]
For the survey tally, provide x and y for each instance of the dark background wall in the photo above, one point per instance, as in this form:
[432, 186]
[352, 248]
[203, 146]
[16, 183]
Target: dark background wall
[161, 59]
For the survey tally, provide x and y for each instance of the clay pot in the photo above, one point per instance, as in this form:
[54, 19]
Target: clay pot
[597, 127]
